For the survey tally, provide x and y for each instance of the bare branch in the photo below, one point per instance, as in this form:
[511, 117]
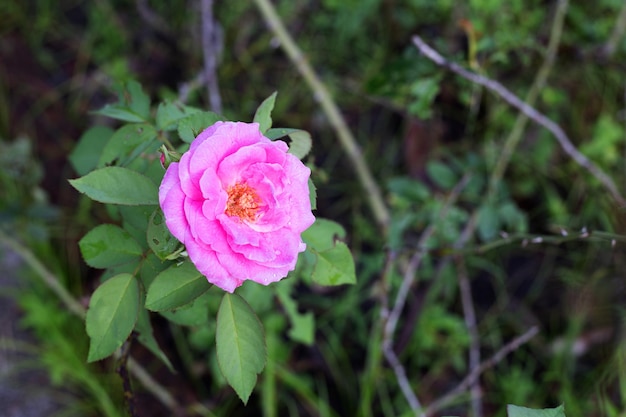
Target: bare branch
[416, 259]
[515, 136]
[403, 381]
[470, 322]
[211, 45]
[391, 317]
[616, 36]
[152, 18]
[488, 364]
[531, 112]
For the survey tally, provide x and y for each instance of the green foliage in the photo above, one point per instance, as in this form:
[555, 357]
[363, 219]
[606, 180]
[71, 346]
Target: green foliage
[133, 104]
[144, 262]
[516, 411]
[522, 267]
[423, 93]
[64, 357]
[159, 237]
[241, 350]
[86, 154]
[263, 113]
[302, 324]
[301, 142]
[112, 314]
[175, 287]
[117, 185]
[331, 260]
[190, 126]
[145, 335]
[127, 143]
[108, 245]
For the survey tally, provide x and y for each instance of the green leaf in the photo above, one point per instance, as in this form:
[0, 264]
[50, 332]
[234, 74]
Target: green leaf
[302, 325]
[120, 112]
[192, 126]
[516, 411]
[117, 185]
[300, 144]
[408, 188]
[85, 155]
[175, 287]
[608, 134]
[136, 217]
[194, 314]
[168, 114]
[127, 143]
[322, 234]
[136, 99]
[424, 92]
[160, 239]
[241, 349]
[112, 314]
[263, 113]
[108, 245]
[133, 104]
[334, 266]
[151, 266]
[278, 132]
[488, 222]
[146, 338]
[312, 194]
[441, 174]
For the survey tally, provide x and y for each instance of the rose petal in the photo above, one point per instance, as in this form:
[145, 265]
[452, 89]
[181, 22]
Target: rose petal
[208, 264]
[263, 244]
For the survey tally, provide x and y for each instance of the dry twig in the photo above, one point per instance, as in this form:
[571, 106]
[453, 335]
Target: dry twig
[391, 317]
[488, 364]
[211, 45]
[531, 112]
[616, 36]
[472, 329]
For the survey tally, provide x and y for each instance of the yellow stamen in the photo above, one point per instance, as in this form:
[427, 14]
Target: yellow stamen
[243, 202]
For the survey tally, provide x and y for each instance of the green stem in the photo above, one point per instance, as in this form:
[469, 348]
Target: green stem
[347, 140]
[515, 136]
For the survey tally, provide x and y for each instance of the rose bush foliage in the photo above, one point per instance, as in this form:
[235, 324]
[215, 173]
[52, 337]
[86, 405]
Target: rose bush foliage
[239, 203]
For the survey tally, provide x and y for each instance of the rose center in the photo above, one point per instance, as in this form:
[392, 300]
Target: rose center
[243, 202]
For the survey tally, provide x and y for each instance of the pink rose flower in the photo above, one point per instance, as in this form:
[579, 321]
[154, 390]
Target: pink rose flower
[238, 202]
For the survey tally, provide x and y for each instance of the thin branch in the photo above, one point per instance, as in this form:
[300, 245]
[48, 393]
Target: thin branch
[186, 88]
[471, 378]
[321, 93]
[391, 318]
[211, 45]
[403, 381]
[152, 18]
[532, 113]
[122, 370]
[51, 280]
[472, 329]
[511, 142]
[619, 29]
[44, 273]
[416, 259]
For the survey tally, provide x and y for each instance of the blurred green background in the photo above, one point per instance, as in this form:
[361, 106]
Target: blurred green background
[421, 129]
